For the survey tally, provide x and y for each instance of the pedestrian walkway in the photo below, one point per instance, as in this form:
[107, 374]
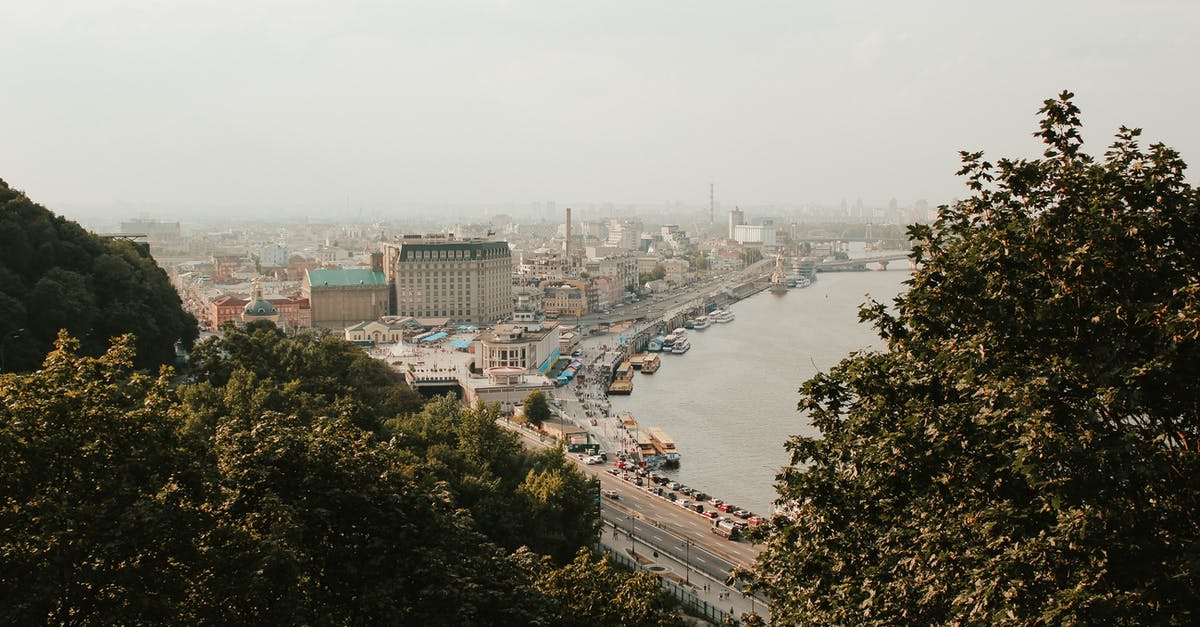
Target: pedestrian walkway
[703, 595]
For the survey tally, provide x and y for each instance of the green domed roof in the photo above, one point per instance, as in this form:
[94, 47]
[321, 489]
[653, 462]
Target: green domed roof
[259, 308]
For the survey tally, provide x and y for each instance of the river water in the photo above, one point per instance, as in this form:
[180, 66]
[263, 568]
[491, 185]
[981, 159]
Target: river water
[730, 402]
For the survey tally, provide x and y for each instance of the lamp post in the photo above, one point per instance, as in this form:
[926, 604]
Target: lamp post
[9, 336]
[687, 561]
[632, 538]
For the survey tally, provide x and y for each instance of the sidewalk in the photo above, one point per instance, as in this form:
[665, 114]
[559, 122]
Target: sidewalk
[705, 596]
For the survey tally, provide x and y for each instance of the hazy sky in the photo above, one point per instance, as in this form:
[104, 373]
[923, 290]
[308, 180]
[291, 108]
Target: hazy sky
[130, 106]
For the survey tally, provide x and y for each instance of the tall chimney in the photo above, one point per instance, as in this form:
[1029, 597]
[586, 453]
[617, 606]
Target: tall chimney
[567, 244]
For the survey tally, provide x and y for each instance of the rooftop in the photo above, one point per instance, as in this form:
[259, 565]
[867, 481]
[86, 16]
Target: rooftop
[345, 278]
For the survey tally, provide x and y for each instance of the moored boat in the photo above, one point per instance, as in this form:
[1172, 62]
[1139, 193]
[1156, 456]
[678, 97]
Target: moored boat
[681, 346]
[701, 323]
[664, 446]
[651, 364]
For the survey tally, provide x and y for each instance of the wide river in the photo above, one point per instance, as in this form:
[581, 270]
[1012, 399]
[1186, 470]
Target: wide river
[730, 402]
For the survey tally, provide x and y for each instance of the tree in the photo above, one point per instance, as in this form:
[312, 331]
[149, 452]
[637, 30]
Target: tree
[1026, 451]
[537, 409]
[591, 592]
[100, 505]
[55, 275]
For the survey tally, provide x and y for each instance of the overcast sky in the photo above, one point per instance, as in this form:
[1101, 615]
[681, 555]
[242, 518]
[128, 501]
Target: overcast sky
[133, 106]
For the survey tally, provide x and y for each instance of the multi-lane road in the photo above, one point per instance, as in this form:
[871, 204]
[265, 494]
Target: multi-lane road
[673, 523]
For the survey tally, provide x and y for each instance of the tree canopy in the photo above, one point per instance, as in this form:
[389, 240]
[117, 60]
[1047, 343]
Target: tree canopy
[55, 275]
[537, 408]
[274, 490]
[1026, 450]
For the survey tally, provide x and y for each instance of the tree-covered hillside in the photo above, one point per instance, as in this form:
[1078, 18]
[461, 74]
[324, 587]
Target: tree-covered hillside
[56, 275]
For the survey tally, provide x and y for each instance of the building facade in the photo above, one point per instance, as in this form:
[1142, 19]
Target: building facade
[341, 298]
[465, 280]
[517, 346]
[567, 298]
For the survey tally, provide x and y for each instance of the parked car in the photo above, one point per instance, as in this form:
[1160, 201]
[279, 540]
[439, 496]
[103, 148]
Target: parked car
[725, 507]
[755, 520]
[699, 508]
[709, 514]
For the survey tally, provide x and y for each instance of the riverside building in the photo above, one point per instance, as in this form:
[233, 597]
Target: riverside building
[440, 276]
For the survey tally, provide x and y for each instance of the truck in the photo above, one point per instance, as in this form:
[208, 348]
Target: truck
[725, 528]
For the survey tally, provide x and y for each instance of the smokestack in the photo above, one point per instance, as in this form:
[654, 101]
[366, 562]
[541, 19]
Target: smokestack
[567, 244]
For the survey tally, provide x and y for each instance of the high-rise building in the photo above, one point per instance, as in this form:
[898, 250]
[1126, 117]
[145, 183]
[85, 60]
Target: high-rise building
[624, 234]
[736, 218]
[440, 276]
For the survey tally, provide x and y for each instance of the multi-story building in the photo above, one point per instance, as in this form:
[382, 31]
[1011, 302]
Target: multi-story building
[755, 234]
[736, 218]
[341, 298]
[675, 238]
[625, 234]
[467, 280]
[567, 298]
[518, 346]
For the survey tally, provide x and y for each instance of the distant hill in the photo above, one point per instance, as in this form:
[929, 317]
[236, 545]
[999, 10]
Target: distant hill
[55, 275]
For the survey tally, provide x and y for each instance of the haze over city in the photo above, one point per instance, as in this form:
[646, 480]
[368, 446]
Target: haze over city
[185, 109]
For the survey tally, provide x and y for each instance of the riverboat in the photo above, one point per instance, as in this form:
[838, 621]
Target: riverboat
[651, 364]
[681, 347]
[701, 323]
[668, 342]
[723, 316]
[623, 383]
[664, 445]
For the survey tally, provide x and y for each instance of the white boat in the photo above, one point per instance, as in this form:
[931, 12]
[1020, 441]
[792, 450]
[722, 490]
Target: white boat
[681, 346]
[701, 323]
[669, 341]
[724, 316]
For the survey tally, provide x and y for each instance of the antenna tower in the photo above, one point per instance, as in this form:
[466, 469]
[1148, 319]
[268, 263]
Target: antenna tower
[712, 205]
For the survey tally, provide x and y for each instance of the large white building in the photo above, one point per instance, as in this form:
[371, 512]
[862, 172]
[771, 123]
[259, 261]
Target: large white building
[755, 234]
[517, 346]
[440, 276]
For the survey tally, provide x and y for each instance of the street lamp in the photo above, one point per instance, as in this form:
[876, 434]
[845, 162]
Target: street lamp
[632, 539]
[687, 561]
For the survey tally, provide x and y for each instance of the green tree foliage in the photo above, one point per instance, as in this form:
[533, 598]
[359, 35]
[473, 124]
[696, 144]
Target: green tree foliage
[98, 503]
[1027, 450]
[113, 514]
[55, 275]
[248, 371]
[517, 497]
[657, 273]
[589, 592]
[537, 408]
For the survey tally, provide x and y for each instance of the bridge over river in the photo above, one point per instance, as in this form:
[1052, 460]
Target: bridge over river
[860, 263]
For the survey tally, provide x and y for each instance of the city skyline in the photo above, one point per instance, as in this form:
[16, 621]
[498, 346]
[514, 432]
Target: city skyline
[301, 109]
